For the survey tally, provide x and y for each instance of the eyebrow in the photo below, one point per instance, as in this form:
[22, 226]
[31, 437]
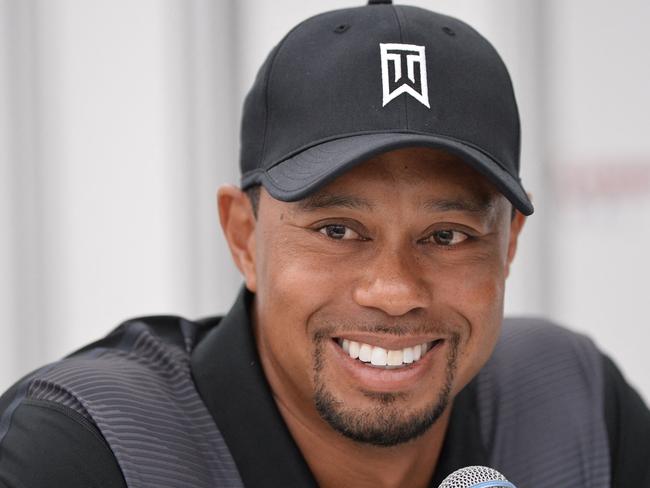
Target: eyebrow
[480, 207]
[340, 200]
[333, 200]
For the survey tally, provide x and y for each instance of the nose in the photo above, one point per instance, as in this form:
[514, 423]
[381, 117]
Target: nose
[393, 283]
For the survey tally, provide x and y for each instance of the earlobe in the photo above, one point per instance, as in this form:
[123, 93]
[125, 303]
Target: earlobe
[516, 225]
[238, 225]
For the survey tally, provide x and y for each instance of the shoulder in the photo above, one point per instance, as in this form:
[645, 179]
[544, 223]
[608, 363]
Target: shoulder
[542, 361]
[136, 355]
[534, 335]
[45, 443]
[628, 423]
[50, 414]
[543, 387]
[537, 354]
[144, 360]
[538, 351]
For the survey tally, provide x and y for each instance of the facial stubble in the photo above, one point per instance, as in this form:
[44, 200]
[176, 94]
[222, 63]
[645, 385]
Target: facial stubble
[387, 422]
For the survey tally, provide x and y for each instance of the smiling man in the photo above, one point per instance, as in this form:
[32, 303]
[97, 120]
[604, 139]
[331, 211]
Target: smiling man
[375, 226]
[364, 310]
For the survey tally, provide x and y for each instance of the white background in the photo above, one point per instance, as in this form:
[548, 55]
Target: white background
[119, 119]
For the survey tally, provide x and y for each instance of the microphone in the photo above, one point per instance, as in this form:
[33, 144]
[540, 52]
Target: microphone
[476, 477]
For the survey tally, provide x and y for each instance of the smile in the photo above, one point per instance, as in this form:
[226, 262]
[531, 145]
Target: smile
[383, 358]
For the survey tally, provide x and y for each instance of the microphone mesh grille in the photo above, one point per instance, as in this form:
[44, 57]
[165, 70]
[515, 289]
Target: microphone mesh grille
[473, 475]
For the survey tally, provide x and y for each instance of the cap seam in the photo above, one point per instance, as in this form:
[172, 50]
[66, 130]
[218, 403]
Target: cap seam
[269, 77]
[509, 82]
[401, 40]
[266, 102]
[266, 92]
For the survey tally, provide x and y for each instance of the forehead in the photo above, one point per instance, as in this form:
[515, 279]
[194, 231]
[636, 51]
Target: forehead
[415, 172]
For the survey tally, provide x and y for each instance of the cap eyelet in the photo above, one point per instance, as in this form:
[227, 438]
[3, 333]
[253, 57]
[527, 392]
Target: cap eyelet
[341, 28]
[449, 31]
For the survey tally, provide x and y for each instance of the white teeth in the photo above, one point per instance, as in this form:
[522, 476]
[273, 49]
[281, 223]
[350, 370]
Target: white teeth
[378, 356]
[395, 357]
[354, 350]
[417, 352]
[365, 353]
[408, 355]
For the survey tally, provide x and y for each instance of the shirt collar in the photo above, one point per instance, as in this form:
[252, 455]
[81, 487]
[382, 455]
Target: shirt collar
[229, 378]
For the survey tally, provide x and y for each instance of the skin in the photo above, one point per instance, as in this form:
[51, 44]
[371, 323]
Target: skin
[367, 255]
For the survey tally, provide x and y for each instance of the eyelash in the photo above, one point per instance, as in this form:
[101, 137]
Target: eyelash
[322, 229]
[449, 246]
[329, 226]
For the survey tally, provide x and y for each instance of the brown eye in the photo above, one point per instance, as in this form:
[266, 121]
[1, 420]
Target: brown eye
[338, 232]
[448, 237]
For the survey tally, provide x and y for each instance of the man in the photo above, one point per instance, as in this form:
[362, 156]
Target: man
[375, 226]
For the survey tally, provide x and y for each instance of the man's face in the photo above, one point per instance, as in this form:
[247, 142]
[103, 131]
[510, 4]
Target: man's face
[404, 256]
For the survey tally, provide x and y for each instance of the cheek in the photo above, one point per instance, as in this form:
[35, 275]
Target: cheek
[294, 278]
[472, 286]
[484, 315]
[292, 287]
[478, 297]
[480, 301]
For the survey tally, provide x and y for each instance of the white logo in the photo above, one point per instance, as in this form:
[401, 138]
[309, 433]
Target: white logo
[393, 59]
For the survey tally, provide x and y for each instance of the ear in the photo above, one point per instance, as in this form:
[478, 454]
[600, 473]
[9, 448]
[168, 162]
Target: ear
[238, 225]
[516, 224]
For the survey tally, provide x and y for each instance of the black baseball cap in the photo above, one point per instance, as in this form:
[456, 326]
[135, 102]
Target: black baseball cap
[346, 85]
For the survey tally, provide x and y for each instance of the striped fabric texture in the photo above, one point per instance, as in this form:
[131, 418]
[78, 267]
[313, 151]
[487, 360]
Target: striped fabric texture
[541, 408]
[142, 398]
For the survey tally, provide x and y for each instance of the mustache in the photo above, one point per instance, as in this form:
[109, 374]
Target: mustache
[421, 328]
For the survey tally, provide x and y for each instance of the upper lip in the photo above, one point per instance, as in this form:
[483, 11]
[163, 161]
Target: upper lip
[387, 341]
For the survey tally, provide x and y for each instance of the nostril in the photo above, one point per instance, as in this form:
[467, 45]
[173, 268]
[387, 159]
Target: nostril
[341, 28]
[394, 299]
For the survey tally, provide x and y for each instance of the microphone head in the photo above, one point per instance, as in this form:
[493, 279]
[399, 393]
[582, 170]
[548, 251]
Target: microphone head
[476, 477]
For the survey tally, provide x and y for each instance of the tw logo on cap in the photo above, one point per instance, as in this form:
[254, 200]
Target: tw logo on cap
[404, 70]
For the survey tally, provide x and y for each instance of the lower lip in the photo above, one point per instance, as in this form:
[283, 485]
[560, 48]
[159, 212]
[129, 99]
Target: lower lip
[386, 380]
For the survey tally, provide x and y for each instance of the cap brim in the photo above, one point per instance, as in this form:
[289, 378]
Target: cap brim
[311, 169]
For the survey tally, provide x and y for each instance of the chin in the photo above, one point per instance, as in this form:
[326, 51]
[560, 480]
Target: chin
[384, 419]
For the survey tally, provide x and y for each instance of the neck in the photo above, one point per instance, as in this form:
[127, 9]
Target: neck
[338, 461]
